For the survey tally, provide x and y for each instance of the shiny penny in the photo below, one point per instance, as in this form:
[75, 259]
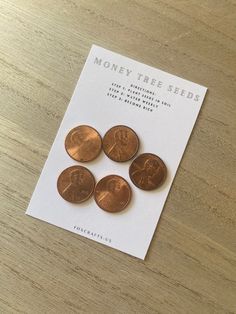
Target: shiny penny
[83, 143]
[112, 193]
[76, 184]
[147, 171]
[120, 143]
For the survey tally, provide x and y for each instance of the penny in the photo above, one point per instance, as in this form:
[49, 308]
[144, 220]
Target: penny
[76, 184]
[83, 143]
[112, 193]
[120, 143]
[147, 171]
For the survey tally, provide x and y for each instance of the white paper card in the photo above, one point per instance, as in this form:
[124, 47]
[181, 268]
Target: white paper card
[161, 108]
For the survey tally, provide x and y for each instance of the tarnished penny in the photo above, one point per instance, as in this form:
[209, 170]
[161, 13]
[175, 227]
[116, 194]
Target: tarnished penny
[120, 143]
[147, 171]
[83, 143]
[76, 184]
[112, 193]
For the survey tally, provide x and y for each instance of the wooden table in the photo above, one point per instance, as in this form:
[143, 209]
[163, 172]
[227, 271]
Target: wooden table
[191, 264]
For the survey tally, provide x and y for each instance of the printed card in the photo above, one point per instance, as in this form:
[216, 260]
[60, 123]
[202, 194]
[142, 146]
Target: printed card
[160, 107]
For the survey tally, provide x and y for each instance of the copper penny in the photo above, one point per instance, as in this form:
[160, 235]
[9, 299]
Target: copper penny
[120, 143]
[83, 143]
[76, 184]
[112, 193]
[147, 171]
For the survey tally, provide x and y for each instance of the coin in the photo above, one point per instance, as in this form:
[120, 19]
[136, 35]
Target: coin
[83, 143]
[76, 184]
[147, 171]
[120, 143]
[112, 193]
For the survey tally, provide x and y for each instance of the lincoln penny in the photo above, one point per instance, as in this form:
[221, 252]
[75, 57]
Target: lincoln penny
[76, 184]
[147, 171]
[120, 143]
[83, 143]
[112, 193]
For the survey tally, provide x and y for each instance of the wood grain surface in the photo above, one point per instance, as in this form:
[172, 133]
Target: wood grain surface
[191, 263]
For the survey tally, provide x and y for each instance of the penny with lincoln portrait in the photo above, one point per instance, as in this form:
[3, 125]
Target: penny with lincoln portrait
[83, 143]
[120, 143]
[148, 171]
[76, 184]
[112, 193]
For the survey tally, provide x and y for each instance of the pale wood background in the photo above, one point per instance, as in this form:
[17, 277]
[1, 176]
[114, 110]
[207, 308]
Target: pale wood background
[191, 264]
